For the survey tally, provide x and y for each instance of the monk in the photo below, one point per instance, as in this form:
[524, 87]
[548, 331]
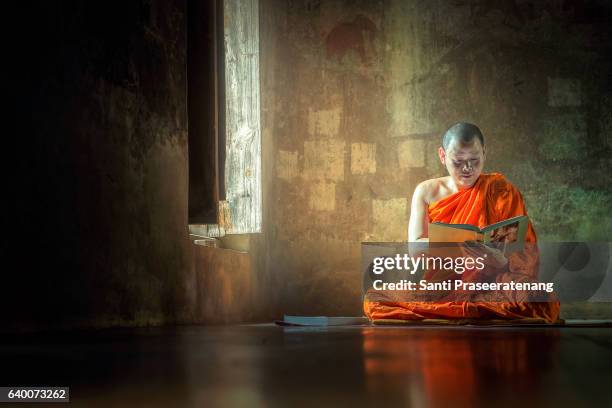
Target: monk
[468, 196]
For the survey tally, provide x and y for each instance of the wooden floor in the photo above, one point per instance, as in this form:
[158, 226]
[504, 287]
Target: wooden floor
[265, 365]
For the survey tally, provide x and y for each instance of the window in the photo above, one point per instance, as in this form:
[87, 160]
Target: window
[225, 183]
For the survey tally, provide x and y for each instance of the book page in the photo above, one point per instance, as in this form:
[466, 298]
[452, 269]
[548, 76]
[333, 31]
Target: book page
[508, 238]
[445, 233]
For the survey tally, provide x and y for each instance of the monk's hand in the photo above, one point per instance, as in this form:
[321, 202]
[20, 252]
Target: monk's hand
[492, 257]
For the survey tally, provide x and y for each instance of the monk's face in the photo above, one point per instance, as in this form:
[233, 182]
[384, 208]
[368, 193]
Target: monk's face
[464, 161]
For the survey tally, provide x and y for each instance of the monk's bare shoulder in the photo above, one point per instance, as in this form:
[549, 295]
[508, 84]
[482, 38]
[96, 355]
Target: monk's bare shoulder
[433, 189]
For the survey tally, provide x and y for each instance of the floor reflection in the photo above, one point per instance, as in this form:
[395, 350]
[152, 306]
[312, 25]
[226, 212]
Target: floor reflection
[439, 366]
[270, 366]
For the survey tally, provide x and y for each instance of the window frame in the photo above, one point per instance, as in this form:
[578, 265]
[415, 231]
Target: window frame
[236, 126]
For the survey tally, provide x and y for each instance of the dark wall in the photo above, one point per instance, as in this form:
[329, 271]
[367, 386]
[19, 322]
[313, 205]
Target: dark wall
[97, 167]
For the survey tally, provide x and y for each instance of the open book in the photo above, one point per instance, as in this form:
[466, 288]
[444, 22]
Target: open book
[501, 234]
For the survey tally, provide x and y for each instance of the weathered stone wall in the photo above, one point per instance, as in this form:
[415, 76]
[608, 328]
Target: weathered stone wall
[356, 94]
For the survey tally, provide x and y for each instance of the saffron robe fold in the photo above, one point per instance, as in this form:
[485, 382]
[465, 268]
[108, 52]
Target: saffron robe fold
[491, 199]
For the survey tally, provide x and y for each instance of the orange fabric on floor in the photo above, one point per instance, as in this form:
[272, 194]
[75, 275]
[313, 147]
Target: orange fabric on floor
[491, 199]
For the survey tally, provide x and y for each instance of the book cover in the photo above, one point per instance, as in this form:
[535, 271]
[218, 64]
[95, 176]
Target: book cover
[322, 320]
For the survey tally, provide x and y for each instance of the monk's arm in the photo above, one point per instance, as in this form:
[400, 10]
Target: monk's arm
[419, 219]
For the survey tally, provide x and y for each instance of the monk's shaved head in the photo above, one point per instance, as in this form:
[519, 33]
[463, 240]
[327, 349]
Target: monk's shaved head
[463, 133]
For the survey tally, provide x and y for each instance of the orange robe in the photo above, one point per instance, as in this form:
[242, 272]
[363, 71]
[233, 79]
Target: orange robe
[491, 199]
